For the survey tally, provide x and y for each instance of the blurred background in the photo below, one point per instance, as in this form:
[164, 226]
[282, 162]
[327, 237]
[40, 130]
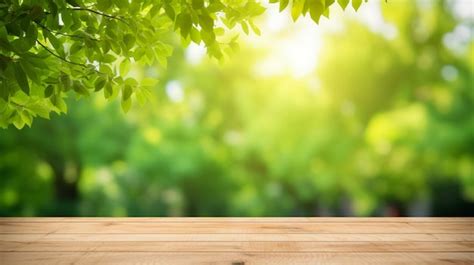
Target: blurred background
[366, 114]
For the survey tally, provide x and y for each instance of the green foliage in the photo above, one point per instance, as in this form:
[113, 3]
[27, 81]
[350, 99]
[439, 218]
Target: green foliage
[384, 131]
[50, 50]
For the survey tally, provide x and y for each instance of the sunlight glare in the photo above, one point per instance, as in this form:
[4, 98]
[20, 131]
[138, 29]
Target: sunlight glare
[174, 91]
[292, 48]
[195, 53]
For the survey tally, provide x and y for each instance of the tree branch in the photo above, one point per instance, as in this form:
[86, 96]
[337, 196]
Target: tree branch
[59, 57]
[66, 60]
[99, 13]
[65, 34]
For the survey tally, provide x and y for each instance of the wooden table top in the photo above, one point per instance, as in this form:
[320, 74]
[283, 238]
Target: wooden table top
[236, 241]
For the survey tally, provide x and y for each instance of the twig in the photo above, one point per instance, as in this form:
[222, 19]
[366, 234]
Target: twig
[65, 60]
[99, 13]
[65, 34]
[59, 57]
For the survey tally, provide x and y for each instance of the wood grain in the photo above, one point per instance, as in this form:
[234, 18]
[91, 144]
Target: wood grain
[179, 258]
[236, 241]
[215, 227]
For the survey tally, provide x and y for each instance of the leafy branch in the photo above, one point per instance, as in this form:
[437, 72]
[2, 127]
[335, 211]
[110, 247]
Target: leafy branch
[99, 13]
[65, 34]
[66, 60]
[136, 31]
[59, 57]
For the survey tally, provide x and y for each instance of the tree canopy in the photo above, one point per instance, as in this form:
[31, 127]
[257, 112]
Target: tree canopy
[52, 49]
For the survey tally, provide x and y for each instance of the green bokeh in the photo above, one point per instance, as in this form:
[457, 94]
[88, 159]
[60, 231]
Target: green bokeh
[388, 131]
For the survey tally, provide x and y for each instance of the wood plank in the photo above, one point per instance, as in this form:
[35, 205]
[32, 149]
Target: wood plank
[193, 220]
[112, 258]
[233, 246]
[235, 228]
[236, 241]
[235, 237]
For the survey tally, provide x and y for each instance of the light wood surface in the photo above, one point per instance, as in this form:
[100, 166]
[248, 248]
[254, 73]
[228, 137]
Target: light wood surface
[236, 241]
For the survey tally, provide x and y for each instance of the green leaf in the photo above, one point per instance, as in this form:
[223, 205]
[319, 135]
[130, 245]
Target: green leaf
[143, 95]
[198, 4]
[149, 82]
[58, 46]
[21, 78]
[30, 71]
[48, 91]
[129, 41]
[18, 122]
[4, 90]
[296, 9]
[59, 103]
[99, 83]
[209, 37]
[36, 61]
[154, 10]
[316, 9]
[170, 11]
[42, 108]
[104, 5]
[65, 82]
[215, 6]
[80, 88]
[343, 3]
[206, 22]
[105, 45]
[245, 27]
[124, 67]
[254, 9]
[356, 4]
[121, 3]
[36, 13]
[108, 58]
[255, 28]
[326, 13]
[26, 42]
[30, 37]
[185, 24]
[131, 82]
[283, 4]
[26, 117]
[67, 19]
[106, 69]
[126, 92]
[126, 104]
[108, 91]
[195, 35]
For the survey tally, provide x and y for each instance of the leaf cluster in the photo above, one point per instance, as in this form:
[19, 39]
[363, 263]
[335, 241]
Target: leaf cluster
[51, 49]
[315, 8]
